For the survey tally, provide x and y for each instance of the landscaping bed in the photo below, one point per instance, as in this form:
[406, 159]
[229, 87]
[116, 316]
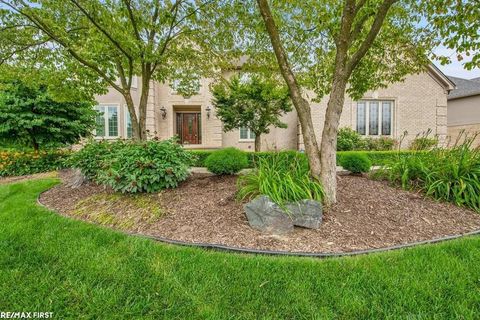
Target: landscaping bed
[369, 214]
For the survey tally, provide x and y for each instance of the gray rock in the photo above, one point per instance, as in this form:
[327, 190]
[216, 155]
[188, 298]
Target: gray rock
[265, 215]
[76, 179]
[306, 213]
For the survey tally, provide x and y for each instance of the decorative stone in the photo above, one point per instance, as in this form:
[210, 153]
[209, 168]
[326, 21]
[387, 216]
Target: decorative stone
[306, 213]
[267, 216]
[76, 179]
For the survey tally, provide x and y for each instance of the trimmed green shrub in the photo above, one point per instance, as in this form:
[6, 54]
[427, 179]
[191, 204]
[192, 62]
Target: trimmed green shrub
[378, 158]
[226, 161]
[281, 178]
[356, 163]
[377, 144]
[129, 166]
[14, 163]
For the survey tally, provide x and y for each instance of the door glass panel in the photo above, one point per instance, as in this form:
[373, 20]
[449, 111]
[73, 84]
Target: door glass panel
[190, 125]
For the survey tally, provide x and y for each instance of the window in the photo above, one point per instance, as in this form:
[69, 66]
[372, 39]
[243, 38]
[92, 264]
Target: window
[374, 117]
[128, 124]
[107, 122]
[246, 134]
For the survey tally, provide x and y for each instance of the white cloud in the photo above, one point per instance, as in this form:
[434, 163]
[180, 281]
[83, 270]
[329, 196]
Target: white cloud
[455, 68]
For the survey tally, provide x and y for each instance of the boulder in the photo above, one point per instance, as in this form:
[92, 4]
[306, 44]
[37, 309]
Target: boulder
[267, 216]
[75, 179]
[306, 213]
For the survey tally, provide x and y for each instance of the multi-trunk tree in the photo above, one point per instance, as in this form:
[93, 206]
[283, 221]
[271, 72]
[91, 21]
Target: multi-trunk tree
[336, 48]
[251, 102]
[113, 41]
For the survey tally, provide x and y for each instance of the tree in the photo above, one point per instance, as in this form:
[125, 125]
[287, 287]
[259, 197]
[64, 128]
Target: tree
[254, 103]
[339, 47]
[30, 116]
[112, 41]
[457, 26]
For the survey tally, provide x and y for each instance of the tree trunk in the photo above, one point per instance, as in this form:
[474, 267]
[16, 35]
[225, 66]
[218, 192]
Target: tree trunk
[328, 148]
[133, 116]
[258, 143]
[35, 145]
[143, 106]
[301, 105]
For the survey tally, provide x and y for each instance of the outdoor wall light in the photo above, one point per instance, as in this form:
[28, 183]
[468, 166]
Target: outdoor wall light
[208, 111]
[164, 112]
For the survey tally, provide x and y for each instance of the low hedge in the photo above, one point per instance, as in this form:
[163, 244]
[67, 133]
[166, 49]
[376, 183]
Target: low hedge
[15, 163]
[377, 158]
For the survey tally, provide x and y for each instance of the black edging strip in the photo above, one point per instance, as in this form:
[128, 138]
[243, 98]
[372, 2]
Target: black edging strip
[220, 247]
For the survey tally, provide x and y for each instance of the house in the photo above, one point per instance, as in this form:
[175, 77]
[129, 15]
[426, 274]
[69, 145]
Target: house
[464, 108]
[414, 105]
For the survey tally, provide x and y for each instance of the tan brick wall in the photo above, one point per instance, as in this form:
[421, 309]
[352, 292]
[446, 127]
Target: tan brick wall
[419, 104]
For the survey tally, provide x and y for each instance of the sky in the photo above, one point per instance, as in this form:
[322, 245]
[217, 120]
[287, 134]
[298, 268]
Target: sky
[455, 68]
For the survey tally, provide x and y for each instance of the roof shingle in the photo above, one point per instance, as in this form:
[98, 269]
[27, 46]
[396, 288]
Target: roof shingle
[465, 88]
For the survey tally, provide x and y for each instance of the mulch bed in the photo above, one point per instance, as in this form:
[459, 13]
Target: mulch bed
[369, 214]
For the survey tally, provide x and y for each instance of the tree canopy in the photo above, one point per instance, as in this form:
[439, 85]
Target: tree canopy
[251, 102]
[30, 116]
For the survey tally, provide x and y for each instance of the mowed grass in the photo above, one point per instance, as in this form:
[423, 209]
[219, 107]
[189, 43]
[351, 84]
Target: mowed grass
[81, 271]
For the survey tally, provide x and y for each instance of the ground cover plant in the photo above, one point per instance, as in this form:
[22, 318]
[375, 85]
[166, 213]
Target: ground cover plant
[79, 270]
[283, 179]
[449, 174]
[226, 161]
[17, 163]
[130, 166]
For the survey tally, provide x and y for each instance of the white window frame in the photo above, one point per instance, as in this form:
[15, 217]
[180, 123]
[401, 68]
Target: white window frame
[107, 135]
[249, 135]
[126, 113]
[380, 116]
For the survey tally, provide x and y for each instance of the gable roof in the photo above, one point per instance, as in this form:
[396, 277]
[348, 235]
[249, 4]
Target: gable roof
[465, 88]
[476, 79]
[437, 74]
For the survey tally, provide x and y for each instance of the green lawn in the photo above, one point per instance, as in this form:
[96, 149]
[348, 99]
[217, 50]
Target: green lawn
[81, 271]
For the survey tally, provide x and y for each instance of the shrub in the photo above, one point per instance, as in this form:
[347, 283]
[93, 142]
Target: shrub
[356, 163]
[14, 163]
[423, 143]
[282, 179]
[90, 159]
[132, 167]
[348, 139]
[226, 161]
[377, 144]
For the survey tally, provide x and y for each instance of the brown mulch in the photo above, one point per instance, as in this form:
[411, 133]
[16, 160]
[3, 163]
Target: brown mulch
[44, 175]
[369, 214]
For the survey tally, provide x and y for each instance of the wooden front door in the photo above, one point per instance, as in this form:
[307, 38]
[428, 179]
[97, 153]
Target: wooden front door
[188, 128]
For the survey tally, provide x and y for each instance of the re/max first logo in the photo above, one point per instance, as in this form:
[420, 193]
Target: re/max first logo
[26, 315]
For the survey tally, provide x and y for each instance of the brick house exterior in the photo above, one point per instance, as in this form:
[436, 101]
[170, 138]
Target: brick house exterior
[417, 104]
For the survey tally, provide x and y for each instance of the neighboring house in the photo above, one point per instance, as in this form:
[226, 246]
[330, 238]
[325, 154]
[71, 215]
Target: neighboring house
[464, 108]
[415, 105]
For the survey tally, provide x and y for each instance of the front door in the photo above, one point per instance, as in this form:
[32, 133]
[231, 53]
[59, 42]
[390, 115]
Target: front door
[188, 128]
